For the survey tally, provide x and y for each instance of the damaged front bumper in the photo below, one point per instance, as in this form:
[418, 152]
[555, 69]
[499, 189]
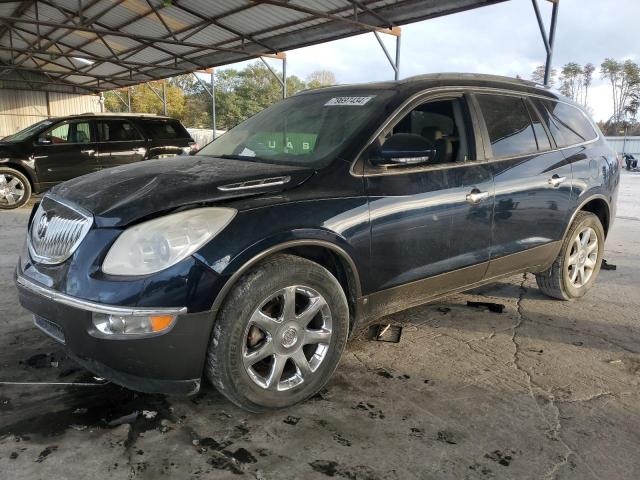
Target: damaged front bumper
[169, 362]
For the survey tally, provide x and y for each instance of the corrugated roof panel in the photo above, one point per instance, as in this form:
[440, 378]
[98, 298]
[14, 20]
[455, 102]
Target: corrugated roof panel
[7, 9]
[211, 35]
[279, 28]
[214, 9]
[263, 17]
[149, 55]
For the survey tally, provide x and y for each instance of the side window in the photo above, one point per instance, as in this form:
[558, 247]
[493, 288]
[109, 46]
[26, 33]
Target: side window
[541, 135]
[568, 125]
[508, 124]
[117, 131]
[165, 129]
[68, 132]
[445, 124]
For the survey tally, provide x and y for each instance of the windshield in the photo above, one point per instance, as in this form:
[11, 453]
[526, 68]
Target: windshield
[305, 130]
[28, 132]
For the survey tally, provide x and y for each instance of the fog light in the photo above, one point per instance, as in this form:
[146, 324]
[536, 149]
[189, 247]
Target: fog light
[132, 324]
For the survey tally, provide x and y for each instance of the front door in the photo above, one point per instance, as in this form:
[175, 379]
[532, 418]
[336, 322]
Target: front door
[532, 180]
[120, 143]
[430, 224]
[64, 151]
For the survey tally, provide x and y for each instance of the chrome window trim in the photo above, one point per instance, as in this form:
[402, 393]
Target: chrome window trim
[435, 92]
[89, 306]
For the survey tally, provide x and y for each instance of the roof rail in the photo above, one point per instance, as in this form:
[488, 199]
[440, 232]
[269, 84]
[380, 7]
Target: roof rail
[120, 114]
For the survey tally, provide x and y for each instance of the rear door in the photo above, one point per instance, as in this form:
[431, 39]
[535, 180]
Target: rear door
[572, 131]
[120, 143]
[532, 182]
[65, 150]
[430, 224]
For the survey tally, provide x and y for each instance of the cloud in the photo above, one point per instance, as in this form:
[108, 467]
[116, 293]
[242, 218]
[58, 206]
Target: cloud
[501, 39]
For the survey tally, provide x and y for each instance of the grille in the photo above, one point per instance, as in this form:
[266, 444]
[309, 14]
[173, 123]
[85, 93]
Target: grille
[56, 230]
[49, 327]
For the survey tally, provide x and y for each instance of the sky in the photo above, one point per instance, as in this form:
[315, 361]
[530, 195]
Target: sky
[502, 39]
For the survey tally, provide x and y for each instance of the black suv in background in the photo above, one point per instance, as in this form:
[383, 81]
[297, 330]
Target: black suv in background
[58, 149]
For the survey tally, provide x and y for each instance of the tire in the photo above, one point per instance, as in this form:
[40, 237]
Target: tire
[557, 281]
[254, 321]
[15, 188]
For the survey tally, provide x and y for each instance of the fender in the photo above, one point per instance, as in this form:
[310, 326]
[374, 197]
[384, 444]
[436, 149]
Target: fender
[253, 254]
[580, 206]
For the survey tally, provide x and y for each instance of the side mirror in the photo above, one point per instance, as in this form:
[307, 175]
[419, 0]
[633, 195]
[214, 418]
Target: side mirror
[43, 141]
[404, 149]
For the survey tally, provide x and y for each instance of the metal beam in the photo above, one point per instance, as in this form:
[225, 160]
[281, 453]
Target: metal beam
[548, 40]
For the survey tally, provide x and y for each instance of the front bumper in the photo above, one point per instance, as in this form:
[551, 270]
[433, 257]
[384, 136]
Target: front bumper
[169, 363]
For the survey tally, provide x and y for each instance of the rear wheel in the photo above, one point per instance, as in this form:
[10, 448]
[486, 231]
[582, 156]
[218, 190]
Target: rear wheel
[279, 335]
[15, 189]
[578, 263]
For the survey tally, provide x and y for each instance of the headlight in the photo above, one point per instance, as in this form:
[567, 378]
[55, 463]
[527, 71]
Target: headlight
[160, 243]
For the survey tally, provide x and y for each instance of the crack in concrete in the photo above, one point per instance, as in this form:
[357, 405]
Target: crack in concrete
[554, 430]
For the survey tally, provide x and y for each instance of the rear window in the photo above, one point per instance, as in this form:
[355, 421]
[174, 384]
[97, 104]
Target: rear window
[117, 131]
[508, 124]
[165, 129]
[567, 124]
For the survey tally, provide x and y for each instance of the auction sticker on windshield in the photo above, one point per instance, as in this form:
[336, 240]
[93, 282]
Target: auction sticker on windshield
[351, 101]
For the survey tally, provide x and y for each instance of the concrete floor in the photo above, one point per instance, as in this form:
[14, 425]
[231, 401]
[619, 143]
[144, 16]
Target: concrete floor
[547, 389]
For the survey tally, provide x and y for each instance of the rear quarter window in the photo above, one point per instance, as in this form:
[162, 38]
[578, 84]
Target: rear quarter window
[165, 129]
[568, 124]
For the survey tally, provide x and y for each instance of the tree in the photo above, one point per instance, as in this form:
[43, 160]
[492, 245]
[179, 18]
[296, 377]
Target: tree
[239, 95]
[538, 75]
[575, 81]
[624, 78]
[321, 78]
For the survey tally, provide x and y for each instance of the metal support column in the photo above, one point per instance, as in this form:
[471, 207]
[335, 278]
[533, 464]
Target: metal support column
[129, 98]
[213, 103]
[395, 63]
[548, 40]
[282, 80]
[164, 97]
[211, 93]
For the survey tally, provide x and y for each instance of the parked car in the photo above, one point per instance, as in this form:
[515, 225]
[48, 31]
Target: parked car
[58, 149]
[252, 262]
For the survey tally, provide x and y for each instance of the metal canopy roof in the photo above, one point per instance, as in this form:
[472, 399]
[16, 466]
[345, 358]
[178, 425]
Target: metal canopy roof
[97, 45]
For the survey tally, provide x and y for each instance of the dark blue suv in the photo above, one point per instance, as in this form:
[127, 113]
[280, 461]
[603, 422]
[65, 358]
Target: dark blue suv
[253, 261]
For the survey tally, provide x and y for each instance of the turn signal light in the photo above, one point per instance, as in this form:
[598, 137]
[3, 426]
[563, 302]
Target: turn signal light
[132, 324]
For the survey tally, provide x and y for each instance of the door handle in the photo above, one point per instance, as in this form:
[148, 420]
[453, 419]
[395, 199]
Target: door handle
[476, 196]
[88, 152]
[556, 180]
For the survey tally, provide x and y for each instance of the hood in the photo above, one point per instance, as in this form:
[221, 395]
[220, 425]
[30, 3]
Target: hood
[7, 147]
[120, 195]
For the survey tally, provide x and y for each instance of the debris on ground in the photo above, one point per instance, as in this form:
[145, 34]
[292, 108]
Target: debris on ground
[149, 414]
[385, 333]
[492, 307]
[124, 419]
[444, 310]
[608, 266]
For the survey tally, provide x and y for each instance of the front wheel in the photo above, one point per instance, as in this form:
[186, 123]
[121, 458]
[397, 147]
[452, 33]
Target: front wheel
[279, 334]
[575, 269]
[15, 189]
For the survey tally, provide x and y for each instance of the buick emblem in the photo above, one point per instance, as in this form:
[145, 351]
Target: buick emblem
[43, 224]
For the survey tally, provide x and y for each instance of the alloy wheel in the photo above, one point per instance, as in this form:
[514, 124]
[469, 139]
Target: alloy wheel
[583, 257]
[287, 338]
[12, 190]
